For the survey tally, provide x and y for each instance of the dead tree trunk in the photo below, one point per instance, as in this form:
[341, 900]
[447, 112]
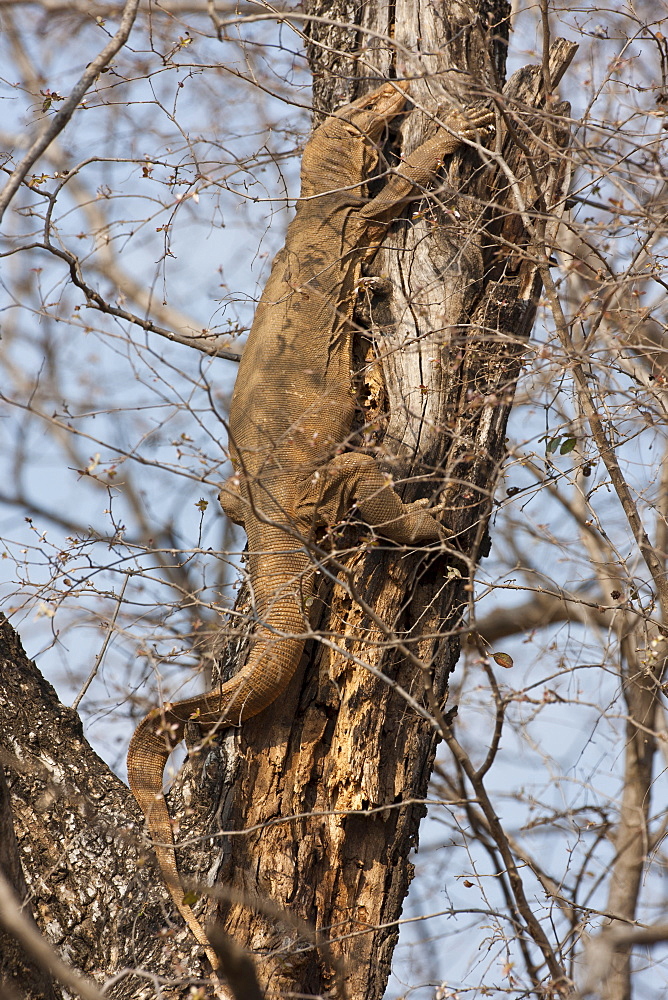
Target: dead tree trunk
[329, 785]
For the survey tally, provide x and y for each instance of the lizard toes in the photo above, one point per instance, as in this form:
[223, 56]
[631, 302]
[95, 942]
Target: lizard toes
[479, 117]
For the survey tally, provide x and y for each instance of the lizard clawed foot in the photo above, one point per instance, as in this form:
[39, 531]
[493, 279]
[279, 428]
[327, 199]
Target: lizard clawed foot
[435, 512]
[476, 118]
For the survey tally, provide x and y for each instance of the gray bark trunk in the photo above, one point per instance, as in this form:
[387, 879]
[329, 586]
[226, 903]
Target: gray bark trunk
[330, 787]
[85, 867]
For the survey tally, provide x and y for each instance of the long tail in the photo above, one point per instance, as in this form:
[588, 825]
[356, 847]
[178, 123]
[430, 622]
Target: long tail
[272, 663]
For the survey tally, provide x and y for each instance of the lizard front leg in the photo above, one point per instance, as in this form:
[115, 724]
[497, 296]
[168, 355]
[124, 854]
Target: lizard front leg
[420, 168]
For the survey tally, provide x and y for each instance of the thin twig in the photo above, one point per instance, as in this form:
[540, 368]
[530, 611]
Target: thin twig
[56, 124]
[100, 655]
[497, 832]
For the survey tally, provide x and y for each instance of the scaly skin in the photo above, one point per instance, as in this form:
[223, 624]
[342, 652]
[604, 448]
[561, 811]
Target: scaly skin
[290, 418]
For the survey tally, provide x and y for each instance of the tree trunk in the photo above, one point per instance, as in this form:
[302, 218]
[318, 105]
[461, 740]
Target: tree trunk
[85, 868]
[330, 783]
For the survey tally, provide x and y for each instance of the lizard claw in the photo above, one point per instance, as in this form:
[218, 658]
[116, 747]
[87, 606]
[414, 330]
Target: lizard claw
[476, 118]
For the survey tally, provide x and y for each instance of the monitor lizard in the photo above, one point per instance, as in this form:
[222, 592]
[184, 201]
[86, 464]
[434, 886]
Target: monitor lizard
[290, 422]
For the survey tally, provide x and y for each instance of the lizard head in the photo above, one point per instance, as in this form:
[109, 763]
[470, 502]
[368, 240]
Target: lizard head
[343, 151]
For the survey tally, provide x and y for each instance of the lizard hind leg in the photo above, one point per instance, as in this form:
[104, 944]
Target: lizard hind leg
[232, 501]
[354, 479]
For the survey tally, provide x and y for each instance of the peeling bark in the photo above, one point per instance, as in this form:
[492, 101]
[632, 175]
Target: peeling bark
[330, 786]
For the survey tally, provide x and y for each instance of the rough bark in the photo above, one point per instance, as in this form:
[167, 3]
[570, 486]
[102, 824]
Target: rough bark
[84, 866]
[18, 970]
[329, 787]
